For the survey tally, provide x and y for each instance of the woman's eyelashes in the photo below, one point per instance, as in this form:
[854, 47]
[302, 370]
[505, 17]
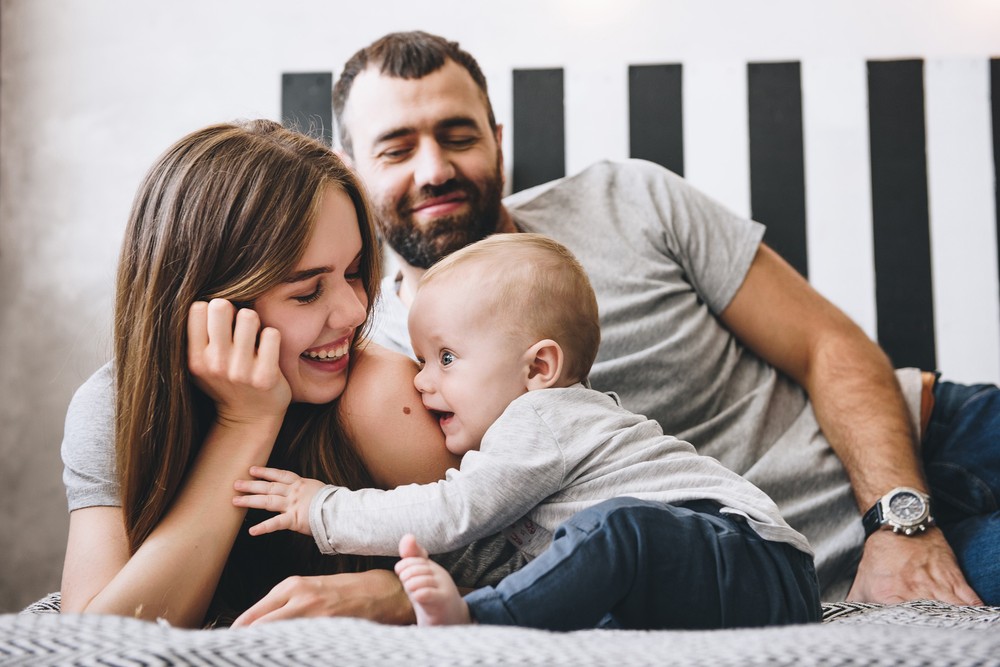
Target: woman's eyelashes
[353, 272]
[312, 296]
[352, 275]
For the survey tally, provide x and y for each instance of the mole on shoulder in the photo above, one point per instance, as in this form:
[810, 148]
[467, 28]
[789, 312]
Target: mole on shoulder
[406, 409]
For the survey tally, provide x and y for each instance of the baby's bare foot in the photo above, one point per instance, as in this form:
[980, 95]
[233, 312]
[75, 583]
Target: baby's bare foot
[432, 592]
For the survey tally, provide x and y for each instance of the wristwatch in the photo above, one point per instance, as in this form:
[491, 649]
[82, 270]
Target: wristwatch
[903, 509]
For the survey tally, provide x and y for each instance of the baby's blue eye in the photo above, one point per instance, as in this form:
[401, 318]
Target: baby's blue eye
[447, 358]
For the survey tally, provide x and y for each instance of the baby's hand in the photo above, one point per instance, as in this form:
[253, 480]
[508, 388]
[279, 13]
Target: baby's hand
[278, 491]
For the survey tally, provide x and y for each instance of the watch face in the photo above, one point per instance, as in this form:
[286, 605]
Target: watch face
[907, 507]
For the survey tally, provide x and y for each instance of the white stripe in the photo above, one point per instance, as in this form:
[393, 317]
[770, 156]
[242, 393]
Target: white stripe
[838, 186]
[963, 219]
[716, 136]
[501, 90]
[596, 113]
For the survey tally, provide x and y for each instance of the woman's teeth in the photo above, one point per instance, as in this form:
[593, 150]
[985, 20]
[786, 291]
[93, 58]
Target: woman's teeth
[328, 355]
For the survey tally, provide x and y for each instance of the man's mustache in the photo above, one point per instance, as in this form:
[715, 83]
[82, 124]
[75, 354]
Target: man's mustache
[429, 192]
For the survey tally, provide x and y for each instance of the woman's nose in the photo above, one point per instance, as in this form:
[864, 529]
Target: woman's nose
[349, 309]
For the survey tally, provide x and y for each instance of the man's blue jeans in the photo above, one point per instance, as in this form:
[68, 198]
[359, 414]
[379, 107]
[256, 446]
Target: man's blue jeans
[961, 455]
[628, 563]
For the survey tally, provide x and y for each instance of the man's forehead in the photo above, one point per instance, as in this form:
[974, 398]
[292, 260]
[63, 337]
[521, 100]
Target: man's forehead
[380, 104]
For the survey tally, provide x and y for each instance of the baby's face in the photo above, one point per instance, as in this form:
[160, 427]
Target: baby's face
[471, 367]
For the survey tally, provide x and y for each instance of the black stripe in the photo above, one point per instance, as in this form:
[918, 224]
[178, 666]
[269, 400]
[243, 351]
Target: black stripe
[777, 172]
[900, 217]
[539, 127]
[995, 102]
[655, 115]
[307, 104]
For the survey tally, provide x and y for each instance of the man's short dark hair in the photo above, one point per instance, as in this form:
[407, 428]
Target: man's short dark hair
[404, 55]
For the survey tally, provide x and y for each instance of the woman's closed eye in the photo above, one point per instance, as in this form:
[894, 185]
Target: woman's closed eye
[312, 296]
[353, 273]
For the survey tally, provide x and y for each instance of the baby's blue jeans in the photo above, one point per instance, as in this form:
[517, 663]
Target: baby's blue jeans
[628, 563]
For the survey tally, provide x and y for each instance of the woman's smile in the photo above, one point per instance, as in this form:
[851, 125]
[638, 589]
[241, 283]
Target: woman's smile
[329, 358]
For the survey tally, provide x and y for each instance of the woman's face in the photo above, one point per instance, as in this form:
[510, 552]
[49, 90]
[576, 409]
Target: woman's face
[320, 304]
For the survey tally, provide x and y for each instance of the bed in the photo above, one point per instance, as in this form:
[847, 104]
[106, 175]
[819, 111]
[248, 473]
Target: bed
[913, 633]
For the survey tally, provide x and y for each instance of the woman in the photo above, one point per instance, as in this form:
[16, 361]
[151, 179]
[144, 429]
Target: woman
[247, 244]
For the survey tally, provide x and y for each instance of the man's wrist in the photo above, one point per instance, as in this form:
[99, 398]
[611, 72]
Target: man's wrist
[904, 510]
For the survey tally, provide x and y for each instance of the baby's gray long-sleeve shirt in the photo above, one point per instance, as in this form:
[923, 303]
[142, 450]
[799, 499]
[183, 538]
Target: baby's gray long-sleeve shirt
[552, 453]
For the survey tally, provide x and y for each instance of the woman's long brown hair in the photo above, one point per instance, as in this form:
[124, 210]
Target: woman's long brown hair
[225, 212]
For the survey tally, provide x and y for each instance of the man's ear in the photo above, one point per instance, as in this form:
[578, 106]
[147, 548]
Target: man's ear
[503, 170]
[545, 362]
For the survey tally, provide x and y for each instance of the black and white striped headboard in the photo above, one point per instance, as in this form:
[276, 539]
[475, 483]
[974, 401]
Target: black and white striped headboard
[876, 179]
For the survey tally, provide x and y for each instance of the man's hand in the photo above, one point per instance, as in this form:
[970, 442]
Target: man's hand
[895, 568]
[278, 491]
[375, 595]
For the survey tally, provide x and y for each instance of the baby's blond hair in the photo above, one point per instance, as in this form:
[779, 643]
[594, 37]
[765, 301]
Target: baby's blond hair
[533, 285]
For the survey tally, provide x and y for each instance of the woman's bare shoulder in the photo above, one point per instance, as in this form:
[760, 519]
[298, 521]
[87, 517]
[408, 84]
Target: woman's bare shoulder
[379, 374]
[397, 439]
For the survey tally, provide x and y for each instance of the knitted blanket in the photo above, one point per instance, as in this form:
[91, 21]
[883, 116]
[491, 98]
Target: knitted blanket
[915, 633]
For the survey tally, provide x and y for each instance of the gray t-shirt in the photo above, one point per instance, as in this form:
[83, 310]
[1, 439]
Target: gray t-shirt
[89, 474]
[665, 260]
[88, 446]
[551, 454]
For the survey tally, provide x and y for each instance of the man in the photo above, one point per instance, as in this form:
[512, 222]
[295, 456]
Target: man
[704, 328]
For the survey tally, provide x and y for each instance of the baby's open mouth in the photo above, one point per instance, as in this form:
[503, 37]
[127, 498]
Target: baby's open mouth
[441, 416]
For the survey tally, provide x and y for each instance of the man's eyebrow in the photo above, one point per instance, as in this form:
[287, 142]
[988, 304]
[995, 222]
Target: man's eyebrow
[306, 274]
[444, 124]
[394, 134]
[457, 122]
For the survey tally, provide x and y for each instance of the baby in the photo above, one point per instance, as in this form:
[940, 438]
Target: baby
[625, 526]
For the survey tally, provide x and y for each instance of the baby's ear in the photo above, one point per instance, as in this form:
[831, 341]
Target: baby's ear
[545, 362]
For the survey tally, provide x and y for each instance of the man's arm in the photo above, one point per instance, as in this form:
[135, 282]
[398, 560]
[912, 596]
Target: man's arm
[861, 410]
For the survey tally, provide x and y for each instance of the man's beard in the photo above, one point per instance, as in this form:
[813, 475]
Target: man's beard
[423, 245]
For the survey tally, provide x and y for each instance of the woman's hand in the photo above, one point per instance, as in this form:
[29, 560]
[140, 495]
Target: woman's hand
[227, 362]
[375, 595]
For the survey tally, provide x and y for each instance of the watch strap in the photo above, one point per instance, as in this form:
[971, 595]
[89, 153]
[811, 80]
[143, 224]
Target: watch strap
[872, 520]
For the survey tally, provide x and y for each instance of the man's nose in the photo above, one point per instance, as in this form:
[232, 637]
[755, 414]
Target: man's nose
[433, 165]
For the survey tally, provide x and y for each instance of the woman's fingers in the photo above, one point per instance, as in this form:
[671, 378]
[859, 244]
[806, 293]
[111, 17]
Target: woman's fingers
[220, 322]
[247, 385]
[244, 334]
[270, 604]
[267, 355]
[198, 325]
